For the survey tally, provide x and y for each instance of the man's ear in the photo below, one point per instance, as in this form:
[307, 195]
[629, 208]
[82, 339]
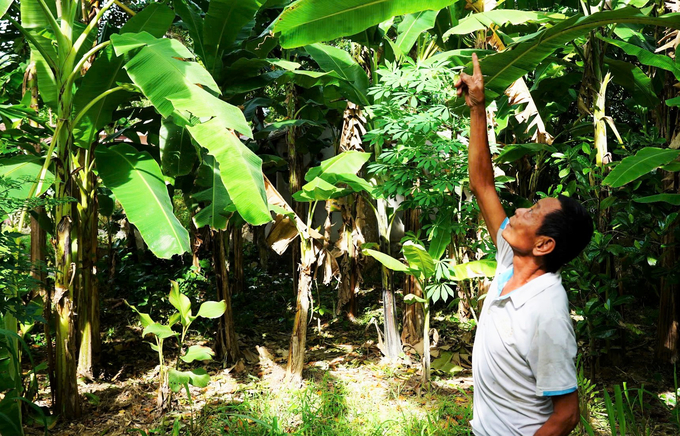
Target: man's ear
[543, 246]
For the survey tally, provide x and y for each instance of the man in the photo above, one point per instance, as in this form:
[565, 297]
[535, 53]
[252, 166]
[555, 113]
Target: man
[523, 356]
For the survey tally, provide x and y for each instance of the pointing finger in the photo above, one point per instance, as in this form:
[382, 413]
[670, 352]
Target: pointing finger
[476, 70]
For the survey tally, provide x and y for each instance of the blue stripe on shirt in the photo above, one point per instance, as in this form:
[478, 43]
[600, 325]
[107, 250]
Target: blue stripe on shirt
[556, 393]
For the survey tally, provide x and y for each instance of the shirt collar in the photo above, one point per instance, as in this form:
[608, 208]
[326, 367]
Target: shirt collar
[534, 287]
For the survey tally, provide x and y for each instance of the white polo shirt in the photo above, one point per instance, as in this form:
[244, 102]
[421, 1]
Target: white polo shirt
[523, 354]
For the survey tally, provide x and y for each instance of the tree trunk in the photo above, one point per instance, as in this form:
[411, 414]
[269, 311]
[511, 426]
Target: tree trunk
[426, 345]
[39, 238]
[393, 346]
[88, 291]
[668, 123]
[66, 393]
[295, 170]
[296, 350]
[412, 331]
[260, 241]
[238, 285]
[227, 342]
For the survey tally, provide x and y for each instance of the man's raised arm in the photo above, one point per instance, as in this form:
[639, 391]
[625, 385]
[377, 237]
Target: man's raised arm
[479, 156]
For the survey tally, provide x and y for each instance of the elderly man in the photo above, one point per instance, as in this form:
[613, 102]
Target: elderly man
[523, 356]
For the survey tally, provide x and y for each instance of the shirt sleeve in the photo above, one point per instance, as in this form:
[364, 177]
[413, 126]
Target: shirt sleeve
[551, 355]
[503, 250]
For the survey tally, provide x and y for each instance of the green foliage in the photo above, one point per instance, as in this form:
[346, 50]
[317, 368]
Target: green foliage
[175, 378]
[309, 21]
[416, 139]
[136, 180]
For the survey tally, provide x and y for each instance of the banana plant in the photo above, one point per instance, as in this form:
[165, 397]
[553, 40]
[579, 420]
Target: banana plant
[333, 178]
[434, 276]
[135, 60]
[173, 378]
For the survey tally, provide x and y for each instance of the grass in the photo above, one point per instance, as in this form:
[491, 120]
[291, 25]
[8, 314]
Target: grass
[337, 406]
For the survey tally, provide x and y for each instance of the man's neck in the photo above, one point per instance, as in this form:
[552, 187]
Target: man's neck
[525, 269]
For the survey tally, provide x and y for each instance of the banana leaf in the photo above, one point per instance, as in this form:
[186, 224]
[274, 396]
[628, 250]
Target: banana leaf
[412, 27]
[633, 80]
[217, 206]
[645, 57]
[470, 270]
[162, 68]
[500, 17]
[634, 167]
[107, 71]
[502, 69]
[190, 14]
[241, 169]
[308, 21]
[178, 153]
[418, 258]
[4, 6]
[24, 169]
[342, 169]
[184, 89]
[387, 260]
[223, 22]
[136, 180]
[673, 199]
[332, 59]
[320, 190]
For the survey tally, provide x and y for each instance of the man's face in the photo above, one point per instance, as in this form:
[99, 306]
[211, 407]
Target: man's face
[522, 227]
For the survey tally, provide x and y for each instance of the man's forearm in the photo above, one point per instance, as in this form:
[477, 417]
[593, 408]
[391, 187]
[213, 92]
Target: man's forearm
[564, 418]
[479, 155]
[557, 426]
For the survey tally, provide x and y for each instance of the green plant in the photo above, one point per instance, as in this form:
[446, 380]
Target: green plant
[626, 412]
[434, 276]
[173, 377]
[670, 400]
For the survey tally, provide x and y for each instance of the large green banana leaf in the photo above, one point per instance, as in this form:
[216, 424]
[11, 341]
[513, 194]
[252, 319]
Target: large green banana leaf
[385, 259]
[634, 80]
[634, 167]
[178, 153]
[418, 258]
[241, 169]
[412, 27]
[332, 59]
[502, 69]
[161, 68]
[673, 199]
[645, 56]
[500, 17]
[342, 169]
[320, 190]
[190, 14]
[476, 268]
[34, 21]
[309, 21]
[136, 180]
[179, 87]
[107, 71]
[4, 6]
[223, 22]
[199, 103]
[25, 170]
[216, 204]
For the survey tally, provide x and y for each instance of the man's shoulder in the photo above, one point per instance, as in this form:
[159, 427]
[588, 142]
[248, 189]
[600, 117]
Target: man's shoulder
[552, 301]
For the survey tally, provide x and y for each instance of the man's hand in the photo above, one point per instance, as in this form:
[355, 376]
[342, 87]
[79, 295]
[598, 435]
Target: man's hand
[472, 86]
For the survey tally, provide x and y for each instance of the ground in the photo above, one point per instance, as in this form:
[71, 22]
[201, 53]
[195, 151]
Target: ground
[348, 388]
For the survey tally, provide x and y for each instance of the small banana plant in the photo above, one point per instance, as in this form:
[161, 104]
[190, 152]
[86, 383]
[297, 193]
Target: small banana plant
[434, 276]
[173, 378]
